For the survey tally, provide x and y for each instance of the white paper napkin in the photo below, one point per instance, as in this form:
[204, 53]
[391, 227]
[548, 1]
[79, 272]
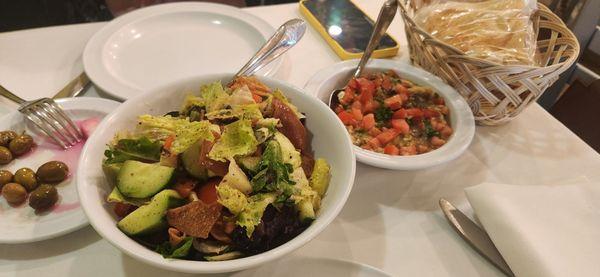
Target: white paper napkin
[542, 230]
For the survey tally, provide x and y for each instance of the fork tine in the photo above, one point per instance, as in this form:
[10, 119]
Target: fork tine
[47, 121]
[37, 123]
[60, 111]
[47, 107]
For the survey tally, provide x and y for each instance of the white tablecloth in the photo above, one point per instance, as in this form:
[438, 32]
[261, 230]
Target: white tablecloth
[391, 220]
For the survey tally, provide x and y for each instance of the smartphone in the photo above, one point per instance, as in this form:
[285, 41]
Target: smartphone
[346, 28]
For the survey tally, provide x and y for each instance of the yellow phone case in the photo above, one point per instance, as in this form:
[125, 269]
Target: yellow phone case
[337, 48]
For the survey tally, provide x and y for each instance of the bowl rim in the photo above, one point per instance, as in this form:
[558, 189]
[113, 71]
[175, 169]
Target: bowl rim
[141, 253]
[463, 132]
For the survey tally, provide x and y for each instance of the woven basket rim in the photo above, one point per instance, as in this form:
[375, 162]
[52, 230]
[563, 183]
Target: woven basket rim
[541, 8]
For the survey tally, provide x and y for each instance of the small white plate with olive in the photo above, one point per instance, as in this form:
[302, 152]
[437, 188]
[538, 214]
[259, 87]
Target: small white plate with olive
[38, 195]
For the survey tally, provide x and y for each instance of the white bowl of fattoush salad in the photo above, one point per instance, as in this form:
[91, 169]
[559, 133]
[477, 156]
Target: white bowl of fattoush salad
[210, 174]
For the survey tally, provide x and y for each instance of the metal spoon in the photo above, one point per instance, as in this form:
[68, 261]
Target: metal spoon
[286, 36]
[386, 15]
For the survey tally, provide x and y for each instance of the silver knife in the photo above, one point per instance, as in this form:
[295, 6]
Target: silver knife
[477, 238]
[74, 88]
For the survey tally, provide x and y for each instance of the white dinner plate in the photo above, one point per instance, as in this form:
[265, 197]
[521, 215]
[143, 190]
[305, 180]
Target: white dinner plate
[314, 267]
[21, 224]
[153, 46]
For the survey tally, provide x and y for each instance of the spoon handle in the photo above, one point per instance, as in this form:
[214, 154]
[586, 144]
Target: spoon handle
[386, 15]
[286, 36]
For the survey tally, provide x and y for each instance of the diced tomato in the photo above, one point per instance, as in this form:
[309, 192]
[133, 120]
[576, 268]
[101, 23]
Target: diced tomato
[353, 83]
[184, 187]
[437, 142]
[368, 121]
[349, 95]
[257, 98]
[169, 142]
[438, 101]
[404, 97]
[357, 105]
[394, 102]
[374, 132]
[391, 149]
[374, 143]
[347, 118]
[367, 89]
[400, 114]
[414, 112]
[386, 136]
[400, 89]
[422, 148]
[429, 113]
[446, 131]
[370, 106]
[357, 114]
[386, 83]
[408, 150]
[123, 209]
[208, 192]
[377, 81]
[401, 125]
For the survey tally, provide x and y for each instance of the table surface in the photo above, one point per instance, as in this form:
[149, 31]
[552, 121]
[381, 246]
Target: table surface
[391, 220]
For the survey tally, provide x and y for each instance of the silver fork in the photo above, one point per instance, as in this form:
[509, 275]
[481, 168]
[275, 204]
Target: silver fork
[48, 117]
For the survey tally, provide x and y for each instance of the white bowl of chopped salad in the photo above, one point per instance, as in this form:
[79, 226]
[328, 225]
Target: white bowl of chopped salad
[211, 175]
[398, 116]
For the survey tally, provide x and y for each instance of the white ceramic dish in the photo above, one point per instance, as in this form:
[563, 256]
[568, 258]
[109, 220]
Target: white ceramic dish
[317, 267]
[21, 224]
[150, 47]
[321, 122]
[461, 118]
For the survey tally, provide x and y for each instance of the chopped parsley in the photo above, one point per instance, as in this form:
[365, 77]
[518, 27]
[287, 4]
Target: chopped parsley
[383, 114]
[429, 131]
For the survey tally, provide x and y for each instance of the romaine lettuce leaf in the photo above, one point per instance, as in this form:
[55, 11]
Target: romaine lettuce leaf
[232, 199]
[241, 96]
[186, 133]
[251, 215]
[133, 149]
[214, 95]
[248, 111]
[190, 102]
[237, 139]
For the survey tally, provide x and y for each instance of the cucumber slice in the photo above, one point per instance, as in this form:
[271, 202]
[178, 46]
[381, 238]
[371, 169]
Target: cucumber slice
[150, 218]
[142, 180]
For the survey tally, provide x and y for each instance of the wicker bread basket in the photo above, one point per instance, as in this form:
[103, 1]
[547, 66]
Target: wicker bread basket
[496, 93]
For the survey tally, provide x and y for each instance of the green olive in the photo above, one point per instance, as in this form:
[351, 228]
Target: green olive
[21, 145]
[6, 137]
[53, 172]
[5, 177]
[26, 177]
[44, 197]
[5, 155]
[14, 193]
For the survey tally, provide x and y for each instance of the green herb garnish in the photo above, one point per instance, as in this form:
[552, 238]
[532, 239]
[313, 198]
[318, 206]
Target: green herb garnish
[133, 149]
[181, 250]
[429, 131]
[273, 174]
[383, 114]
